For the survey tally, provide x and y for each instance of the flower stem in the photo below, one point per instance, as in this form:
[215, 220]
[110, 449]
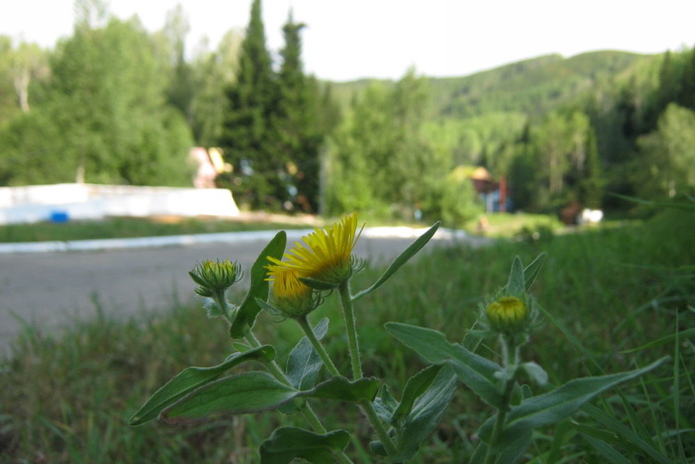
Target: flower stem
[349, 315]
[510, 360]
[277, 372]
[308, 331]
[354, 349]
[369, 411]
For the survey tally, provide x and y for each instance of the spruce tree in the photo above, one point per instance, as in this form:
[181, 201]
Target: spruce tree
[590, 183]
[246, 136]
[298, 137]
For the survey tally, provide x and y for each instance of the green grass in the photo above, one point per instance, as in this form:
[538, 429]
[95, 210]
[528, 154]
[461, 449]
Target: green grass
[500, 225]
[624, 295]
[129, 227]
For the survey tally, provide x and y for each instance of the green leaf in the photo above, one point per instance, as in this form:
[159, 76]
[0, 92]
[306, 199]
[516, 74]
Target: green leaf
[552, 407]
[530, 273]
[304, 363]
[239, 394]
[385, 404]
[559, 404]
[249, 309]
[619, 434]
[258, 391]
[192, 378]
[532, 270]
[416, 386]
[400, 261]
[517, 284]
[433, 389]
[476, 372]
[342, 389]
[288, 443]
[664, 340]
[607, 451]
[536, 373]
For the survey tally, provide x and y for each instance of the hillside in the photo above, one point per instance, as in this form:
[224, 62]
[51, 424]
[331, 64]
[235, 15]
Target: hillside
[531, 86]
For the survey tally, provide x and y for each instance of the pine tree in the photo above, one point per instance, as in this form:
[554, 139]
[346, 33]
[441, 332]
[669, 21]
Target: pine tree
[590, 183]
[688, 94]
[298, 134]
[246, 136]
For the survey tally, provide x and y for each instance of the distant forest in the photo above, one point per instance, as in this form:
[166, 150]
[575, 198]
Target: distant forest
[117, 104]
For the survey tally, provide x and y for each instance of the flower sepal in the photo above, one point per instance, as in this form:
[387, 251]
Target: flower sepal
[317, 284]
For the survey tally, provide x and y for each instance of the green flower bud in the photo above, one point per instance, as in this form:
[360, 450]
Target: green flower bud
[215, 276]
[508, 314]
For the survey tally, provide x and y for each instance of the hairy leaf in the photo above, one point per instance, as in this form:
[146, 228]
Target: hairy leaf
[400, 261]
[288, 443]
[249, 309]
[192, 378]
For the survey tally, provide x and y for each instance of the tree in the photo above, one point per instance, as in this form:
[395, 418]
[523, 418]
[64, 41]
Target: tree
[560, 147]
[590, 184]
[667, 156]
[181, 89]
[28, 61]
[8, 100]
[246, 136]
[105, 120]
[213, 73]
[298, 136]
[382, 163]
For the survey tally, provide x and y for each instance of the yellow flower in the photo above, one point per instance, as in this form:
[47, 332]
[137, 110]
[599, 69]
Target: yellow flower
[325, 255]
[289, 295]
[507, 314]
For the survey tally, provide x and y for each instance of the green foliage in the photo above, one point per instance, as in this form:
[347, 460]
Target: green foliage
[272, 132]
[191, 378]
[665, 167]
[105, 117]
[247, 135]
[383, 163]
[68, 396]
[590, 182]
[214, 73]
[287, 443]
[296, 122]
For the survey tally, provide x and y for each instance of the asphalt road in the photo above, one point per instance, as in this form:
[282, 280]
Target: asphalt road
[50, 289]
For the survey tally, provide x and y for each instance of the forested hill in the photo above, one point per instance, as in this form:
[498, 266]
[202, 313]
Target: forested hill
[533, 86]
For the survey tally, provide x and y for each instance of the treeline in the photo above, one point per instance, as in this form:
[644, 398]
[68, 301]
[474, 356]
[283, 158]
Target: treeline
[116, 104]
[567, 130]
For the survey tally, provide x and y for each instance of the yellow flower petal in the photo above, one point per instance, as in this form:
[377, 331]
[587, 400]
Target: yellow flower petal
[325, 254]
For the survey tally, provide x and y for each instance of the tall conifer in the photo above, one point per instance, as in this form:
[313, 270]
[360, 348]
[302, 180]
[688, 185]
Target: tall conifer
[590, 183]
[246, 134]
[298, 135]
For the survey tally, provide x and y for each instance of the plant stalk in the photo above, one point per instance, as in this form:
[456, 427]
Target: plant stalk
[277, 372]
[311, 336]
[353, 346]
[349, 315]
[510, 359]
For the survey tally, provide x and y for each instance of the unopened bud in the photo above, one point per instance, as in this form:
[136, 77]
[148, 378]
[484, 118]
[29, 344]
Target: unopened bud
[215, 276]
[508, 314]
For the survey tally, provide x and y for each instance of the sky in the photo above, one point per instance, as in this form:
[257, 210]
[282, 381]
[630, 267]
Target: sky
[351, 39]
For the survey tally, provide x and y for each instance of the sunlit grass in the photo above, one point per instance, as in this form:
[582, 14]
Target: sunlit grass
[135, 227]
[625, 297]
[499, 225]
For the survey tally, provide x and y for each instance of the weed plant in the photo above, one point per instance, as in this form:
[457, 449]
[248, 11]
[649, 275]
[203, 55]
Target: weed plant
[619, 299]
